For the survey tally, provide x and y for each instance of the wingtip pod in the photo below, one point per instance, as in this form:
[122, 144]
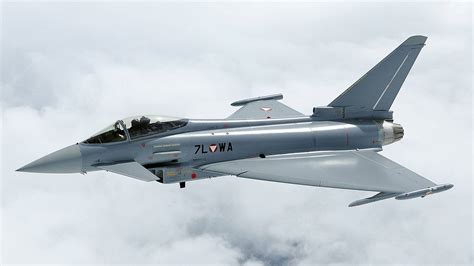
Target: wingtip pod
[404, 196]
[415, 40]
[424, 192]
[377, 197]
[278, 96]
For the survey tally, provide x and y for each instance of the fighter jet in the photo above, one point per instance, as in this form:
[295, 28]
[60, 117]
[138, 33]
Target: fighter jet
[336, 146]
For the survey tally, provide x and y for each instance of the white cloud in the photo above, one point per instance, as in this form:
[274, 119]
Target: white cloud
[69, 70]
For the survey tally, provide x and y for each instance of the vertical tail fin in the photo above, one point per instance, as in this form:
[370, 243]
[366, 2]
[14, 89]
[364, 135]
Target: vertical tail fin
[377, 89]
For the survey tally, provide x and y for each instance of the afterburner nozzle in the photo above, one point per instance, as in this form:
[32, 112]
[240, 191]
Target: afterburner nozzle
[391, 132]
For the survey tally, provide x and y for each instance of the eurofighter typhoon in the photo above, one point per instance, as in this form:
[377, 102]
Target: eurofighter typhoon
[336, 146]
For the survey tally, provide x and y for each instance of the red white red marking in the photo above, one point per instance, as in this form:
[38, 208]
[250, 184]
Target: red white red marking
[213, 148]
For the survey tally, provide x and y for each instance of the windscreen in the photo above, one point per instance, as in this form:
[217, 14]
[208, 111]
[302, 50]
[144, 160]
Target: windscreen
[150, 125]
[113, 133]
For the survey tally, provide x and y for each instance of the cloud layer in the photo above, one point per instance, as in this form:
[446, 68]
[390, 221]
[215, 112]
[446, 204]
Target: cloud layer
[69, 70]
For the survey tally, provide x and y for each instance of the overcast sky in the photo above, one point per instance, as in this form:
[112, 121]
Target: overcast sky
[68, 70]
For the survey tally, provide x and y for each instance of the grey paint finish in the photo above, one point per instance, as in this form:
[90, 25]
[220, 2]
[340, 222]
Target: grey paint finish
[264, 109]
[377, 89]
[66, 160]
[243, 102]
[335, 147]
[359, 170]
[130, 169]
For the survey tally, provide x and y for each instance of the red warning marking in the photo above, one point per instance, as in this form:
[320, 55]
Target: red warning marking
[193, 175]
[213, 148]
[266, 109]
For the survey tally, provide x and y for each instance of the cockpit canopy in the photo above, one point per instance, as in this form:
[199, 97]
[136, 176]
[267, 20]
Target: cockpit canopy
[136, 127]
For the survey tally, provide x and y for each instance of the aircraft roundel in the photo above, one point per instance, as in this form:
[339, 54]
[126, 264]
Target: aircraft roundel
[213, 147]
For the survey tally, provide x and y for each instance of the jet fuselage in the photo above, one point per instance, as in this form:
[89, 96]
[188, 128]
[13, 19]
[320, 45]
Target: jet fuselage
[174, 157]
[336, 146]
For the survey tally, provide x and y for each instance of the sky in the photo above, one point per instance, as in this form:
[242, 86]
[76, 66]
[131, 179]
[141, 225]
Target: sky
[69, 70]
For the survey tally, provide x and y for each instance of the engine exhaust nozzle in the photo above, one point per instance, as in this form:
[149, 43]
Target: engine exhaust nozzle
[391, 132]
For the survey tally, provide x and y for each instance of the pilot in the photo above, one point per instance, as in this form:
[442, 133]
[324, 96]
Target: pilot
[134, 128]
[144, 121]
[135, 123]
[144, 125]
[118, 132]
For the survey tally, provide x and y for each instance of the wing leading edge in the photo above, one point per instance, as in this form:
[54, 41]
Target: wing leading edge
[357, 170]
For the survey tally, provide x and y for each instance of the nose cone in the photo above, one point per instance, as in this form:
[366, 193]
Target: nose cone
[67, 160]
